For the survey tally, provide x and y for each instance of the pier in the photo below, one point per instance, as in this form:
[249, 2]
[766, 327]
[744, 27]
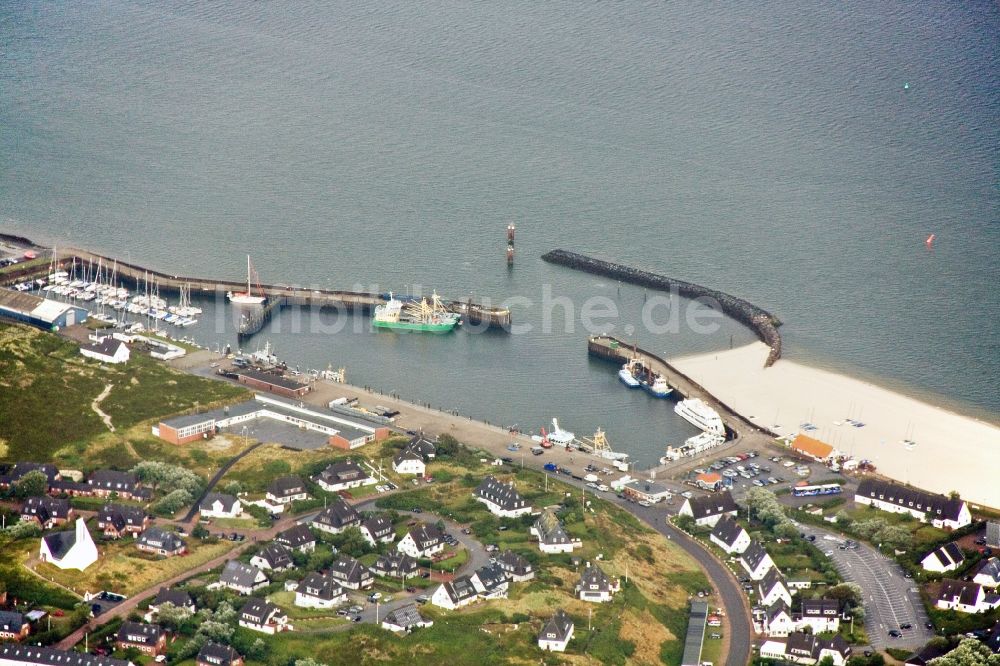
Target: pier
[761, 321]
[610, 348]
[278, 295]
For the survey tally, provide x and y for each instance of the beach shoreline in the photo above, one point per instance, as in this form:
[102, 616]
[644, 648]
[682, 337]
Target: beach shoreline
[953, 451]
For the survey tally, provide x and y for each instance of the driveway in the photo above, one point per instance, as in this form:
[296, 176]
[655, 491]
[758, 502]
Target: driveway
[890, 598]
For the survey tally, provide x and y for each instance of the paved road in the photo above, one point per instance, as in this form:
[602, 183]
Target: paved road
[214, 480]
[890, 598]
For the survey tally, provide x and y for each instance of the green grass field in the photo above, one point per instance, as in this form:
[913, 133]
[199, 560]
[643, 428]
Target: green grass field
[43, 379]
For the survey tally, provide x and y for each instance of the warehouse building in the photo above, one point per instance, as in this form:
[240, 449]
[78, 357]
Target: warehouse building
[41, 312]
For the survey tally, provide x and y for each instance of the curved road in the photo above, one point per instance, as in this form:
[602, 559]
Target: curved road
[214, 480]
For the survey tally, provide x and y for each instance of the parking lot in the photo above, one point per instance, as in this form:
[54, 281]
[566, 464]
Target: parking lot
[891, 600]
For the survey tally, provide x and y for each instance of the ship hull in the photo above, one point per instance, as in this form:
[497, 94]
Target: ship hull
[415, 326]
[626, 378]
[655, 393]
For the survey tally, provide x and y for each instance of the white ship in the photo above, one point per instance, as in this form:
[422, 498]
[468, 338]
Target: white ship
[701, 416]
[626, 378]
[247, 297]
[560, 436]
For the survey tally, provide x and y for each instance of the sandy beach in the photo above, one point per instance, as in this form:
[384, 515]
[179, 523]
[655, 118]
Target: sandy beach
[953, 452]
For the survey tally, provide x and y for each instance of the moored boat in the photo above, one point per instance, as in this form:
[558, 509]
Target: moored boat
[701, 416]
[428, 316]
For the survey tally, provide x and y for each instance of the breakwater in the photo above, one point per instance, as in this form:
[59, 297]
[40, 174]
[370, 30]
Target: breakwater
[761, 321]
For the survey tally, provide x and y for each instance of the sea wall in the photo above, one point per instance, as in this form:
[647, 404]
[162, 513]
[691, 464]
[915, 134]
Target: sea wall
[761, 321]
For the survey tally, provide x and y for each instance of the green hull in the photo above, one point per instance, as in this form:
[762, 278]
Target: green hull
[414, 326]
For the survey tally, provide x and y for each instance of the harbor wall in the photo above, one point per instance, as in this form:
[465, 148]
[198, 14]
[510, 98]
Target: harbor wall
[761, 321]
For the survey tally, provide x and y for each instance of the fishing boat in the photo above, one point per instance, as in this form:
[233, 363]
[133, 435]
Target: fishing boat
[560, 436]
[422, 315]
[646, 378]
[247, 297]
[701, 416]
[626, 378]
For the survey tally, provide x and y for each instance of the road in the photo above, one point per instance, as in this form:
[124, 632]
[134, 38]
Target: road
[890, 598]
[214, 480]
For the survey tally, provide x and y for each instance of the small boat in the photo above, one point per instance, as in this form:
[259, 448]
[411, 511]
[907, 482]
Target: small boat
[626, 378]
[560, 436]
[247, 297]
[648, 379]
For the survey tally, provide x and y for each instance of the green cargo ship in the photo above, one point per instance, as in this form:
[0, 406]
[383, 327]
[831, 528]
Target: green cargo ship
[432, 317]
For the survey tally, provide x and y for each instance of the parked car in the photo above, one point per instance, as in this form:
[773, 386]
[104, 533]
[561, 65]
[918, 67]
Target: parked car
[895, 633]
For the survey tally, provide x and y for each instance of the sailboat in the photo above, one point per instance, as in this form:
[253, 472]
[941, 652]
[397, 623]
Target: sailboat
[247, 297]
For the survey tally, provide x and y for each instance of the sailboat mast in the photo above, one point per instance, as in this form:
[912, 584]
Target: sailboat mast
[248, 275]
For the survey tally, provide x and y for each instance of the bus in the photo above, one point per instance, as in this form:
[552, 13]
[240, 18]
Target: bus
[806, 491]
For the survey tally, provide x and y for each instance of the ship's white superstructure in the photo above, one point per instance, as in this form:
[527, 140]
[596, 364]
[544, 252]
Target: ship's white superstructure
[701, 416]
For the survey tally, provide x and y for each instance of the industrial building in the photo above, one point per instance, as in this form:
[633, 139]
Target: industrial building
[340, 431]
[44, 313]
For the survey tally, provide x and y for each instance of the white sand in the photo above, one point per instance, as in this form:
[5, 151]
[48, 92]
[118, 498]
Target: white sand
[953, 452]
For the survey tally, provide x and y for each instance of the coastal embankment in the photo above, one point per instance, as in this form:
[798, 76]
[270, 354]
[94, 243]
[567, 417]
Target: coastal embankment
[952, 452]
[763, 322]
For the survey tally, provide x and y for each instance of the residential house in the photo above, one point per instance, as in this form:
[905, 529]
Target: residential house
[176, 598]
[111, 483]
[425, 447]
[48, 512]
[422, 541]
[13, 626]
[350, 573]
[161, 542]
[807, 649]
[298, 538]
[118, 520]
[813, 448]
[9, 478]
[319, 591]
[646, 491]
[938, 510]
[16, 654]
[395, 564]
[730, 536]
[490, 582]
[336, 517]
[517, 567]
[263, 616]
[772, 587]
[242, 578]
[377, 528]
[342, 476]
[818, 614]
[286, 490]
[71, 549]
[216, 654]
[106, 350]
[966, 597]
[756, 561]
[928, 653]
[455, 594]
[501, 498]
[556, 632]
[774, 620]
[594, 585]
[220, 505]
[149, 639]
[552, 537]
[273, 556]
[405, 619]
[708, 510]
[988, 573]
[409, 461]
[945, 558]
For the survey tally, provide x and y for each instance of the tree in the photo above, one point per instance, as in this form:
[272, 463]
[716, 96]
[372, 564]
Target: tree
[233, 488]
[826, 661]
[172, 616]
[172, 502]
[846, 592]
[766, 508]
[32, 484]
[274, 468]
[844, 519]
[895, 537]
[200, 532]
[446, 446]
[970, 652]
[308, 661]
[351, 542]
[25, 529]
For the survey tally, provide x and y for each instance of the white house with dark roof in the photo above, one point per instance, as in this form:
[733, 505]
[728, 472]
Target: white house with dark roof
[216, 654]
[772, 587]
[966, 597]
[350, 573]
[422, 540]
[177, 598]
[319, 591]
[988, 573]
[945, 558]
[709, 509]
[263, 616]
[552, 536]
[409, 461]
[106, 350]
[516, 566]
[774, 620]
[71, 549]
[160, 542]
[594, 585]
[556, 633]
[806, 649]
[377, 528]
[273, 556]
[336, 517]
[756, 561]
[501, 498]
[343, 476]
[241, 578]
[220, 505]
[425, 447]
[285, 490]
[149, 639]
[395, 564]
[818, 614]
[490, 582]
[46, 511]
[405, 619]
[298, 537]
[938, 510]
[730, 536]
[455, 594]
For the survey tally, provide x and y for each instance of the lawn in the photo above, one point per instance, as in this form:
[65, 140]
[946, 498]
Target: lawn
[43, 379]
[123, 568]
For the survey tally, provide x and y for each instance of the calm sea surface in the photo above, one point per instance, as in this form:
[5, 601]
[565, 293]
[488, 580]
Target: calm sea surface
[796, 154]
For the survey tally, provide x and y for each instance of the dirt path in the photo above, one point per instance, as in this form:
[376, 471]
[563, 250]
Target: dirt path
[96, 406]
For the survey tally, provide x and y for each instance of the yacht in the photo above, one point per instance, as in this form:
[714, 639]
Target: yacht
[701, 416]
